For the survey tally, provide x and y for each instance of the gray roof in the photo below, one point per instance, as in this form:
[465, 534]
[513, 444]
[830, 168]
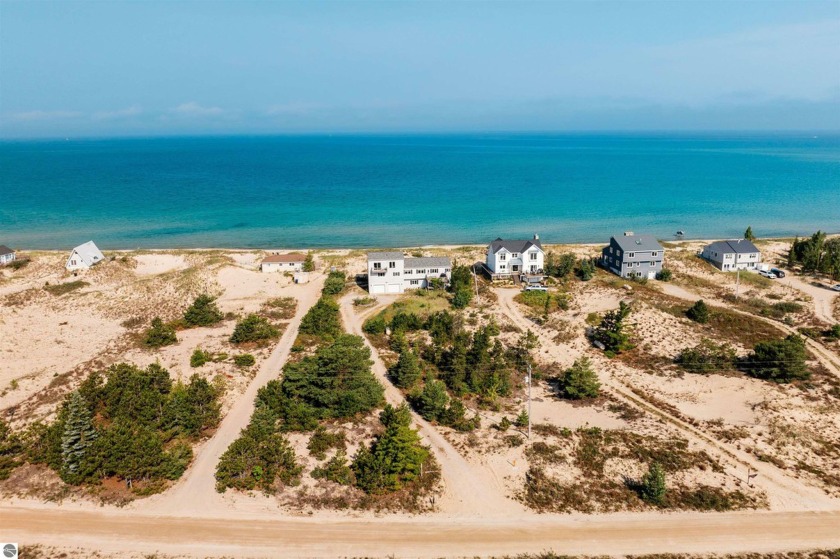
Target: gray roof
[641, 243]
[89, 253]
[737, 246]
[392, 255]
[428, 262]
[4, 250]
[514, 246]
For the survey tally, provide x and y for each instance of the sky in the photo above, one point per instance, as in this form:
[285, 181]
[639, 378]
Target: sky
[151, 68]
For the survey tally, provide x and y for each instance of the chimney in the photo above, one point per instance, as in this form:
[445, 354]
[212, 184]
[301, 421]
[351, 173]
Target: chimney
[628, 233]
[536, 237]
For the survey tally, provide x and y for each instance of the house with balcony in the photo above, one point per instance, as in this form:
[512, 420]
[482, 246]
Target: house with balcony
[391, 272]
[507, 258]
[633, 256]
[729, 256]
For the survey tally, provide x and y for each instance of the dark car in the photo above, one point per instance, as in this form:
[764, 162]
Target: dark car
[779, 273]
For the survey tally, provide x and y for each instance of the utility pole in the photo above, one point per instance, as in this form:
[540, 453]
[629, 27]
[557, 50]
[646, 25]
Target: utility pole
[475, 283]
[529, 400]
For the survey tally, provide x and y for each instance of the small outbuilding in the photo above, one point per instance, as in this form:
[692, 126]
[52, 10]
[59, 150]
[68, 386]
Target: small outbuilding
[84, 256]
[6, 255]
[728, 256]
[291, 262]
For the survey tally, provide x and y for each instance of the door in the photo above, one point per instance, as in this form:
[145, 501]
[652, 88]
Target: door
[377, 289]
[651, 275]
[393, 288]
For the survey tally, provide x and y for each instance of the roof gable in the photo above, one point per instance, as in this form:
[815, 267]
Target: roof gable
[637, 243]
[386, 255]
[428, 261]
[4, 250]
[514, 245]
[735, 246]
[88, 253]
[277, 258]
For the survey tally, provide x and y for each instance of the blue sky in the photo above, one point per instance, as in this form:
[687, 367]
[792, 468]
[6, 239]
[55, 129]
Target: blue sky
[158, 68]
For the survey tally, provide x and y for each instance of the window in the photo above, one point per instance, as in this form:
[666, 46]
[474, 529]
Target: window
[628, 264]
[533, 256]
[502, 257]
[652, 263]
[446, 270]
[409, 271]
[631, 254]
[503, 267]
[653, 254]
[611, 250]
[421, 271]
[414, 282]
[377, 265]
[396, 273]
[515, 255]
[433, 271]
[392, 264]
[618, 252]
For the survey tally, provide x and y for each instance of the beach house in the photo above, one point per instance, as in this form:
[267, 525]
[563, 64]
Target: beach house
[739, 254]
[508, 258]
[392, 272]
[84, 256]
[633, 256]
[6, 255]
[291, 262]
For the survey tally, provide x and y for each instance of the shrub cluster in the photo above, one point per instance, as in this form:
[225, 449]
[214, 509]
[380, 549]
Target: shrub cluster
[253, 328]
[461, 285]
[127, 422]
[580, 381]
[707, 357]
[322, 320]
[781, 361]
[160, 334]
[203, 312]
[334, 283]
[611, 332]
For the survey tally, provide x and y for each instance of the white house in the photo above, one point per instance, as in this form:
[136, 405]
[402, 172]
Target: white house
[739, 254]
[6, 255]
[392, 272]
[515, 257]
[84, 256]
[292, 262]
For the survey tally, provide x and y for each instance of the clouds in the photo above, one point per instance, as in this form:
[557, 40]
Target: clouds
[193, 109]
[120, 114]
[40, 116]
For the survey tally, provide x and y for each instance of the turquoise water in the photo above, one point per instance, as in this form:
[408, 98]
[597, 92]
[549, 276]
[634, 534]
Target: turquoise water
[379, 191]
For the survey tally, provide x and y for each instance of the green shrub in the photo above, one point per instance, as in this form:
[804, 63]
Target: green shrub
[65, 288]
[309, 263]
[322, 440]
[253, 328]
[281, 308]
[375, 325]
[580, 381]
[611, 331]
[334, 283]
[778, 360]
[11, 449]
[203, 312]
[462, 298]
[160, 334]
[699, 312]
[521, 419]
[322, 320]
[585, 269]
[707, 357]
[336, 469]
[244, 360]
[664, 275]
[199, 358]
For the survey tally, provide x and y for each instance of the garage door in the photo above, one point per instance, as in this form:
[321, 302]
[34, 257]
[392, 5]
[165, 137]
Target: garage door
[377, 289]
[393, 288]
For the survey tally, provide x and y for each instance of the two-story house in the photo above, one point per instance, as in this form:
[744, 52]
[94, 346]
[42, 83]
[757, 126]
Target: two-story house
[509, 258]
[631, 256]
[739, 254]
[392, 272]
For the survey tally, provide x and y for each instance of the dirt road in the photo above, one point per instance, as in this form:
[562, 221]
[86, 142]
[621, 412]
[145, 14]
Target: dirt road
[823, 297]
[469, 489]
[115, 531]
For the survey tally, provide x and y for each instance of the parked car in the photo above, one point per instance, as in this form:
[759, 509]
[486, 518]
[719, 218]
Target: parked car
[768, 275]
[779, 273]
[535, 288]
[835, 287]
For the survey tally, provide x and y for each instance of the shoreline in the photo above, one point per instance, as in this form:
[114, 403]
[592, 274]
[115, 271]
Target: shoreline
[375, 248]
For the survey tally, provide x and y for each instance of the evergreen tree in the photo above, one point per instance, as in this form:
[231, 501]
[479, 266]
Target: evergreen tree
[778, 360]
[309, 263]
[10, 450]
[406, 372]
[432, 401]
[323, 319]
[698, 312]
[611, 330]
[748, 234]
[585, 269]
[203, 312]
[334, 283]
[580, 381]
[253, 328]
[394, 458]
[79, 435]
[653, 488]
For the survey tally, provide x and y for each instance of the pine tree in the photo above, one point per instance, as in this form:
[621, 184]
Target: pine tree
[203, 312]
[406, 372]
[309, 263]
[748, 234]
[79, 434]
[580, 381]
[699, 312]
[653, 487]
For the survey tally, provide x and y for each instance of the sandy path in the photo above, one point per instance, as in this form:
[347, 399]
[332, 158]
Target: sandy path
[115, 531]
[469, 489]
[195, 492]
[823, 298]
[787, 492]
